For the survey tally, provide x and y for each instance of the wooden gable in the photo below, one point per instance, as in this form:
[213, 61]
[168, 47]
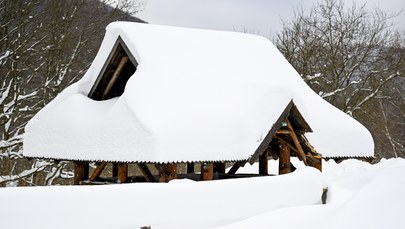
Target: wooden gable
[118, 68]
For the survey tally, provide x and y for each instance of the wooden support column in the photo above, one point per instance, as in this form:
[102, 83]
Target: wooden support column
[96, 173]
[146, 172]
[190, 167]
[207, 171]
[115, 169]
[315, 161]
[81, 171]
[264, 163]
[167, 172]
[284, 159]
[122, 173]
[219, 167]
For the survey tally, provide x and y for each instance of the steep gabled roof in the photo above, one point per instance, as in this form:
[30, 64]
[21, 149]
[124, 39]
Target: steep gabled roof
[196, 95]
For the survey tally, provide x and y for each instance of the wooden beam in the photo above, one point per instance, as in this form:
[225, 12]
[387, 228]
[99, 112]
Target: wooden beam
[167, 172]
[207, 171]
[300, 151]
[81, 171]
[284, 165]
[315, 161]
[283, 132]
[264, 163]
[122, 173]
[146, 172]
[96, 173]
[219, 167]
[114, 77]
[235, 167]
[190, 167]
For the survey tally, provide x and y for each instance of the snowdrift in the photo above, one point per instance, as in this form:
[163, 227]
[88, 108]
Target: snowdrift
[196, 204]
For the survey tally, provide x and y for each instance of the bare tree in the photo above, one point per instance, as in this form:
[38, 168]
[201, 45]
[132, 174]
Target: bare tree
[45, 45]
[352, 57]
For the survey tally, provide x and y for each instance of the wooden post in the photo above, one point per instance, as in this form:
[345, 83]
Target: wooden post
[81, 172]
[207, 171]
[219, 167]
[284, 159]
[264, 163]
[122, 173]
[190, 167]
[114, 169]
[97, 171]
[167, 172]
[146, 172]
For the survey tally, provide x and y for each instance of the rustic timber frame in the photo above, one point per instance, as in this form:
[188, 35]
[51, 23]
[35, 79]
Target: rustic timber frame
[285, 139]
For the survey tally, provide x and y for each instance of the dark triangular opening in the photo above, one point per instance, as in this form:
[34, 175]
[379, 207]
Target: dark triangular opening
[114, 75]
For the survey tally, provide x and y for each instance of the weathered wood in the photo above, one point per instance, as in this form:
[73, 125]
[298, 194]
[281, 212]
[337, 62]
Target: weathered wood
[207, 171]
[190, 167]
[81, 172]
[315, 161]
[283, 132]
[284, 159]
[115, 169]
[114, 77]
[146, 172]
[122, 173]
[235, 167]
[264, 163]
[300, 151]
[96, 173]
[167, 172]
[286, 142]
[219, 167]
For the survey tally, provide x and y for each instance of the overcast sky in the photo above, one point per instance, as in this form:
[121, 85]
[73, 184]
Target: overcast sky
[262, 17]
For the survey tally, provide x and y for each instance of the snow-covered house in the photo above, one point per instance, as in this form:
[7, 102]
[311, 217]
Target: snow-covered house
[164, 95]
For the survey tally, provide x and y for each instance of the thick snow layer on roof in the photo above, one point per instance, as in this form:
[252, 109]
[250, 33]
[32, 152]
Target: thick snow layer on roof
[197, 95]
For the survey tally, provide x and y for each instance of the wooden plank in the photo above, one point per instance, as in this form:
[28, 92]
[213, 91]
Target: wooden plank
[207, 171]
[81, 172]
[235, 167]
[284, 165]
[114, 77]
[219, 167]
[300, 151]
[122, 173]
[146, 172]
[283, 132]
[264, 163]
[167, 172]
[96, 173]
[190, 167]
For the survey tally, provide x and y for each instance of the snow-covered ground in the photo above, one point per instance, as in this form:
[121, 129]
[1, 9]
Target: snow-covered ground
[359, 195]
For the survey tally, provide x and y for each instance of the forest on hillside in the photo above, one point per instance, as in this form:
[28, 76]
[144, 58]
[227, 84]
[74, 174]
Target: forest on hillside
[352, 57]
